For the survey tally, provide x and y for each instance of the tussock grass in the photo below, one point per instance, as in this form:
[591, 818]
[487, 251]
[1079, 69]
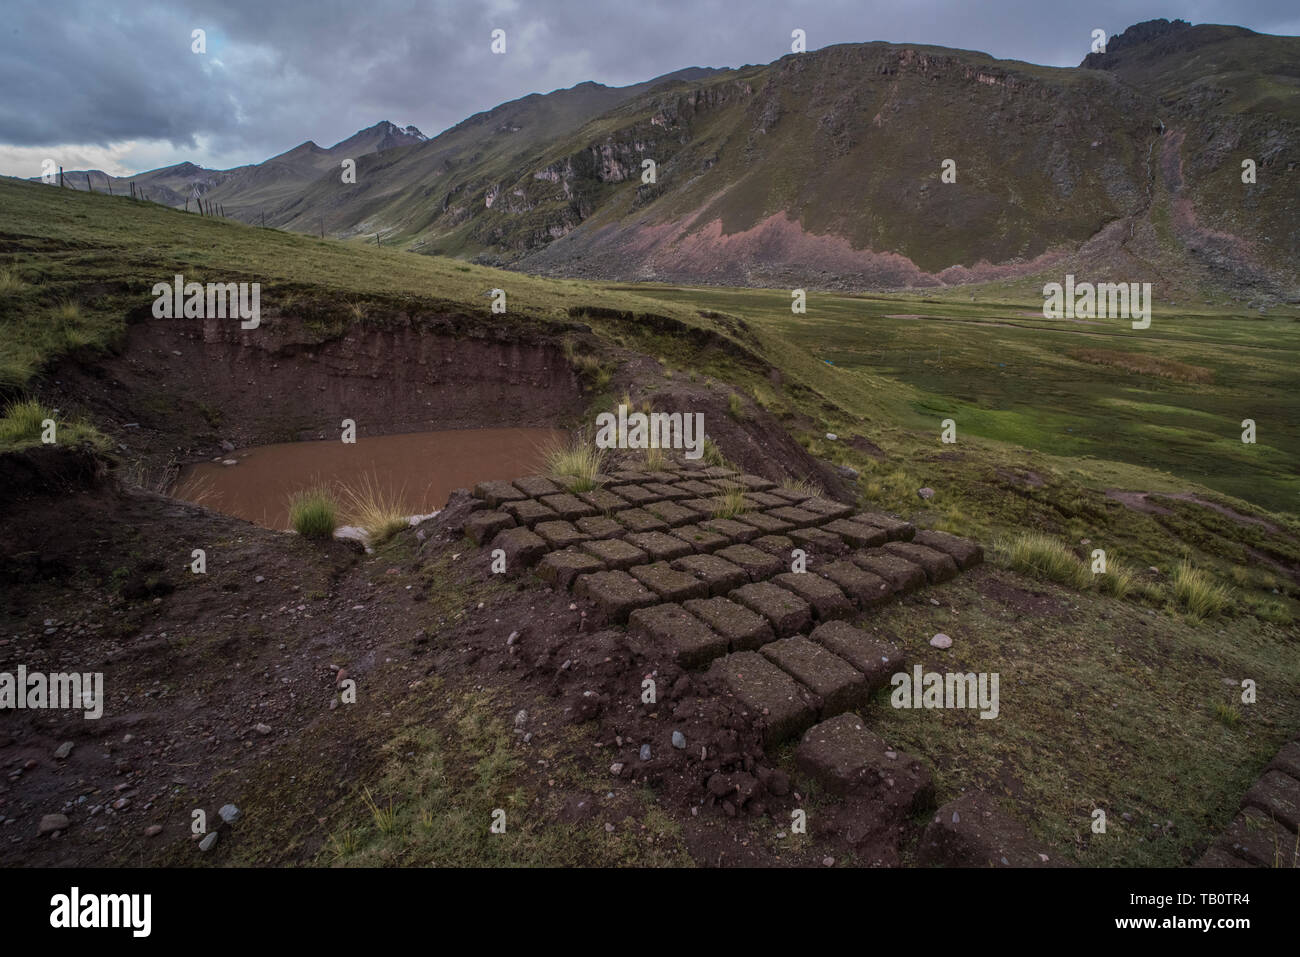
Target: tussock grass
[1043, 556]
[736, 407]
[11, 281]
[1198, 594]
[1117, 580]
[1228, 715]
[313, 513]
[1145, 365]
[804, 486]
[22, 424]
[730, 502]
[575, 464]
[712, 455]
[655, 459]
[376, 509]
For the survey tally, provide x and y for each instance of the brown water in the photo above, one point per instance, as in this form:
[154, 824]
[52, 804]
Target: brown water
[420, 468]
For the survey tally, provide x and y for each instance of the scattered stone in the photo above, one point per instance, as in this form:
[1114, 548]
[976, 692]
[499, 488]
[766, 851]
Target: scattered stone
[262, 729]
[153, 830]
[63, 750]
[616, 768]
[51, 824]
[229, 813]
[645, 752]
[941, 641]
[208, 842]
[679, 740]
[925, 493]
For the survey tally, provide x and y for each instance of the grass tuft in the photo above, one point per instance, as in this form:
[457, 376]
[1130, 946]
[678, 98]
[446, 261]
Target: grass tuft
[576, 464]
[379, 511]
[731, 502]
[1197, 594]
[313, 513]
[1043, 556]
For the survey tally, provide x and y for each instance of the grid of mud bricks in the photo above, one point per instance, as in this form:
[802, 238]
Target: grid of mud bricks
[646, 551]
[1266, 832]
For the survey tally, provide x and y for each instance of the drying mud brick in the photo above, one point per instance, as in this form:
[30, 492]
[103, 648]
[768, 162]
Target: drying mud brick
[760, 500]
[615, 553]
[600, 526]
[731, 529]
[523, 548]
[777, 546]
[765, 523]
[562, 567]
[696, 489]
[1277, 795]
[1216, 857]
[700, 539]
[964, 552]
[638, 494]
[669, 584]
[789, 495]
[536, 486]
[494, 493]
[627, 477]
[660, 546]
[896, 529]
[938, 566]
[639, 520]
[902, 575]
[1256, 838]
[602, 500]
[482, 526]
[824, 596]
[718, 574]
[826, 508]
[616, 594]
[857, 534]
[663, 477]
[815, 540]
[878, 660]
[667, 492]
[865, 588]
[568, 507]
[744, 630]
[754, 483]
[560, 534]
[528, 512]
[704, 508]
[769, 693]
[690, 642]
[845, 758]
[1287, 760]
[788, 613]
[672, 513]
[794, 516]
[758, 564]
[716, 472]
[973, 831]
[839, 685]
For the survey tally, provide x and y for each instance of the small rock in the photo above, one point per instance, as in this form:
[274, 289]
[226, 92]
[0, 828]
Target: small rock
[616, 768]
[229, 813]
[63, 750]
[679, 740]
[828, 862]
[831, 437]
[259, 579]
[209, 842]
[262, 728]
[926, 492]
[153, 830]
[229, 462]
[645, 752]
[51, 823]
[941, 641]
[521, 719]
[514, 636]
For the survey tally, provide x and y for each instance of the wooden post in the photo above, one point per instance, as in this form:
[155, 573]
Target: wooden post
[187, 204]
[89, 188]
[109, 183]
[60, 177]
[377, 242]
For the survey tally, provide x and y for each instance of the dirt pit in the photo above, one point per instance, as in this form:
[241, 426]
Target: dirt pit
[418, 470]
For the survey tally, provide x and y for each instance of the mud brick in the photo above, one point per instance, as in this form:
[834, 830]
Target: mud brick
[776, 545]
[494, 493]
[616, 594]
[788, 613]
[615, 553]
[695, 488]
[785, 708]
[964, 552]
[856, 534]
[691, 643]
[757, 564]
[1287, 760]
[535, 486]
[717, 472]
[639, 520]
[825, 596]
[627, 477]
[896, 529]
[789, 495]
[819, 541]
[754, 483]
[703, 508]
[560, 568]
[1218, 859]
[865, 588]
[600, 526]
[757, 500]
[938, 566]
[671, 513]
[660, 546]
[717, 573]
[795, 516]
[664, 477]
[600, 479]
[742, 628]
[560, 534]
[1255, 837]
[638, 494]
[731, 529]
[877, 659]
[602, 500]
[839, 685]
[529, 512]
[844, 757]
[669, 584]
[568, 507]
[765, 522]
[481, 526]
[1277, 795]
[667, 492]
[522, 547]
[700, 539]
[972, 831]
[826, 508]
[902, 575]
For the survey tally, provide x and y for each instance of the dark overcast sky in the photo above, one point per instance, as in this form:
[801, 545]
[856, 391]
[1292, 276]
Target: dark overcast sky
[113, 84]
